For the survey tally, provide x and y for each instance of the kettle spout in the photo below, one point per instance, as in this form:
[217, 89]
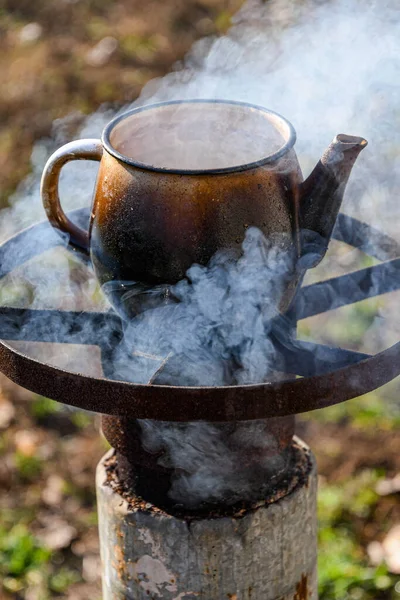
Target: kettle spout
[321, 195]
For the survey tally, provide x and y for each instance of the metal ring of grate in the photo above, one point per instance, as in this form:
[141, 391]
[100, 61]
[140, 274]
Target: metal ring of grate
[354, 373]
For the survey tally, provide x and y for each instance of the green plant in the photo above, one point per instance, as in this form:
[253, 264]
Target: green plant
[15, 293]
[223, 21]
[353, 498]
[20, 552]
[43, 407]
[344, 571]
[368, 412]
[60, 581]
[140, 47]
[81, 419]
[25, 563]
[28, 467]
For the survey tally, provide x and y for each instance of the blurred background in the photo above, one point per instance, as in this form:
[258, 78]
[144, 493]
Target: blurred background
[68, 58]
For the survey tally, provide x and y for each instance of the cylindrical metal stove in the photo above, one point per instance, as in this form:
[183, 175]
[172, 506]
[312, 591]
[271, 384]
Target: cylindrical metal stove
[266, 551]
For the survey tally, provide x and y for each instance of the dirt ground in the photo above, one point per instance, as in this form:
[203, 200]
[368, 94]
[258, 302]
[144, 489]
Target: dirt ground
[74, 55]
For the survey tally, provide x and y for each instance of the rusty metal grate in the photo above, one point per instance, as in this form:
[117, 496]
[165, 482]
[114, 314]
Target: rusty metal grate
[329, 375]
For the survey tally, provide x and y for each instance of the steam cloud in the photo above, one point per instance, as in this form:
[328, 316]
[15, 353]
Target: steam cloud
[328, 67]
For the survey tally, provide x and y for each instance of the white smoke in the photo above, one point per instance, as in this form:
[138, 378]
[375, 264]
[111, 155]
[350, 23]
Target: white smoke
[328, 67]
[217, 332]
[208, 461]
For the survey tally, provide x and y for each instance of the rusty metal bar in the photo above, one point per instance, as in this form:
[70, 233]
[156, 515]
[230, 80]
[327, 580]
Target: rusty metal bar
[308, 358]
[106, 330]
[59, 326]
[35, 240]
[366, 238]
[347, 289]
[226, 403]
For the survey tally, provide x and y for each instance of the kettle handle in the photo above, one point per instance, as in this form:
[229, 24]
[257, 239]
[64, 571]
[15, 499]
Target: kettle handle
[89, 149]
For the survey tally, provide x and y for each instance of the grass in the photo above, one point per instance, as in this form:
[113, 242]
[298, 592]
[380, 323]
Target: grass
[373, 410]
[20, 552]
[343, 567]
[349, 508]
[29, 468]
[25, 563]
[343, 571]
[43, 407]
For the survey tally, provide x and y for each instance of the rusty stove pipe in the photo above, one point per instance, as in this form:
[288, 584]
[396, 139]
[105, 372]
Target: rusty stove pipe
[263, 551]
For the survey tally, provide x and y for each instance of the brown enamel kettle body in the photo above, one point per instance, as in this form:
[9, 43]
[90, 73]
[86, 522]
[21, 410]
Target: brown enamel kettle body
[179, 181]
